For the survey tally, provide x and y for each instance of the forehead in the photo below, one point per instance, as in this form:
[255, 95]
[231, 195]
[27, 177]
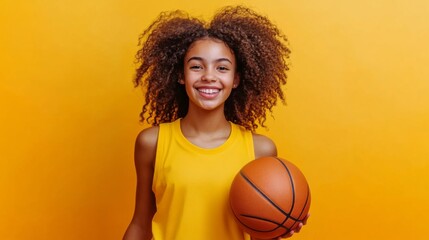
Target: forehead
[209, 48]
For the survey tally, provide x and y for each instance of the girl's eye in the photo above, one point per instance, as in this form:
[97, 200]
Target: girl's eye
[222, 68]
[196, 67]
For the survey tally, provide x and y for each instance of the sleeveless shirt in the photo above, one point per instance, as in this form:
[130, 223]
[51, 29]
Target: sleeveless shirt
[191, 185]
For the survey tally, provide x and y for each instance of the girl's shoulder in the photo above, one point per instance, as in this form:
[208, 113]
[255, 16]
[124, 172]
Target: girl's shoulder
[263, 146]
[146, 142]
[149, 134]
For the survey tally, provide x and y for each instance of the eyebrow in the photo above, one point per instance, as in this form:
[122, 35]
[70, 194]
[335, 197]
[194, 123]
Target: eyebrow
[201, 59]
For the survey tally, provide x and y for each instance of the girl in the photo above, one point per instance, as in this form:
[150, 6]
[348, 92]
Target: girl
[207, 88]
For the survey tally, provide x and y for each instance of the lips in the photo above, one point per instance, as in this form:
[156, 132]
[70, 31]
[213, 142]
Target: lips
[208, 90]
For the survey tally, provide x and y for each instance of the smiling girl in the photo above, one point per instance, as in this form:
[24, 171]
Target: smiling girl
[207, 88]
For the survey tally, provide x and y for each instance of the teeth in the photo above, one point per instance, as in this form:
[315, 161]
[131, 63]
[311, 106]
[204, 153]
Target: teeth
[208, 90]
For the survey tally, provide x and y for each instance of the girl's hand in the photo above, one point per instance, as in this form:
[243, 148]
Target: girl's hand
[291, 232]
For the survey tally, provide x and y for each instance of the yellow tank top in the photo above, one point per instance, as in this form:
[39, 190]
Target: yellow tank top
[191, 185]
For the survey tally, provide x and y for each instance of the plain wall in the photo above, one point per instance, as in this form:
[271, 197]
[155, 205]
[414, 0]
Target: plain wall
[356, 120]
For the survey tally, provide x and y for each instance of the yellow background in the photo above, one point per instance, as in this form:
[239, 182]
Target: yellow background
[356, 120]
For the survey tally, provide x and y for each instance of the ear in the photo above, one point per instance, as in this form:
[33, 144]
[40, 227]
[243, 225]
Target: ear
[181, 78]
[236, 81]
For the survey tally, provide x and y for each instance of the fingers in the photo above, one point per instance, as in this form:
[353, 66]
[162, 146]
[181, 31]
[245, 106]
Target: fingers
[296, 230]
[299, 227]
[288, 235]
[305, 219]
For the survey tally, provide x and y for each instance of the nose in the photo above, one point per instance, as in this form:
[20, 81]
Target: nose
[209, 76]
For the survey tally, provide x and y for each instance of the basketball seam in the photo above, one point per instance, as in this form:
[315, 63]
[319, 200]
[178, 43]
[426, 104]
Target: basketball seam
[279, 225]
[293, 196]
[293, 186]
[258, 230]
[264, 219]
[254, 229]
[265, 196]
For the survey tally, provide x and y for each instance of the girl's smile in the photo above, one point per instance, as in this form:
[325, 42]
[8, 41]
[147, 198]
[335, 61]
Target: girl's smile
[208, 93]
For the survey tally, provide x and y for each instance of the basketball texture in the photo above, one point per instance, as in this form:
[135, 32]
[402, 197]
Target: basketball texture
[269, 197]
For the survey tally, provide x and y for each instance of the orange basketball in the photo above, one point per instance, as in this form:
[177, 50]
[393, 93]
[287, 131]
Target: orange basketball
[269, 197]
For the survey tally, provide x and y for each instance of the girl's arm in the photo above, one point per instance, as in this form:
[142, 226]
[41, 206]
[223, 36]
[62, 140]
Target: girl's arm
[144, 156]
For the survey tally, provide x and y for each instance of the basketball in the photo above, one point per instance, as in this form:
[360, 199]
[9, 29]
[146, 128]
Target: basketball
[269, 197]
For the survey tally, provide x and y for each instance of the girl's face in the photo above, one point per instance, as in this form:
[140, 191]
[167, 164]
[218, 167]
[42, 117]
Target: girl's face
[209, 73]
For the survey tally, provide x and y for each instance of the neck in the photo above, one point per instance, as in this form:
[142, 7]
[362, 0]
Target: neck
[199, 121]
[206, 129]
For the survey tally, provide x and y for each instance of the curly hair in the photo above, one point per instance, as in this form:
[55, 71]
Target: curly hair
[261, 53]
